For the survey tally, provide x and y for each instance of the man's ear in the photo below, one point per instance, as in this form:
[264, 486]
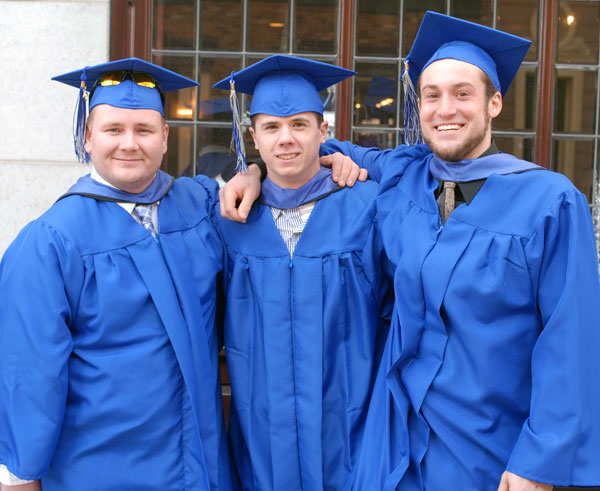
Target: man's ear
[165, 138]
[495, 105]
[253, 134]
[323, 131]
[87, 144]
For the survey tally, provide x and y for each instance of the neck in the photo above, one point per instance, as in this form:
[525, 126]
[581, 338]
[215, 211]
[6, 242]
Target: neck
[296, 181]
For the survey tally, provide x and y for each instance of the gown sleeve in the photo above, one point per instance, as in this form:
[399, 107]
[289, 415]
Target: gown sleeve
[373, 159]
[559, 443]
[37, 273]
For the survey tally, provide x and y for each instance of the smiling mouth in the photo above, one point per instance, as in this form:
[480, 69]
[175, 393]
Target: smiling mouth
[448, 127]
[287, 156]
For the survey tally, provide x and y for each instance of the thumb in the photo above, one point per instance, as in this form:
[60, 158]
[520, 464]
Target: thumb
[326, 160]
[503, 486]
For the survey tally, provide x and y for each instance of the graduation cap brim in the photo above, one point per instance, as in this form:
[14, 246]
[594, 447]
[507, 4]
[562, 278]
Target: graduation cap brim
[507, 50]
[167, 79]
[321, 74]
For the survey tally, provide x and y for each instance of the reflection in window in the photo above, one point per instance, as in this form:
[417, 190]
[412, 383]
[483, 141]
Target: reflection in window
[575, 108]
[315, 23]
[575, 159]
[578, 25]
[213, 104]
[378, 139]
[268, 25]
[221, 25]
[179, 104]
[479, 11]
[520, 147]
[521, 18]
[178, 160]
[174, 24]
[375, 94]
[214, 155]
[377, 28]
[519, 103]
[414, 11]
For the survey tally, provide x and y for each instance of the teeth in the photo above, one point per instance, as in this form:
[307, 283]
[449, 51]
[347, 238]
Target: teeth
[288, 156]
[448, 127]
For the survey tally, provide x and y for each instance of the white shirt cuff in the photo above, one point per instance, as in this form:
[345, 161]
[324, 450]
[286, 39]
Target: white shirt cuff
[7, 478]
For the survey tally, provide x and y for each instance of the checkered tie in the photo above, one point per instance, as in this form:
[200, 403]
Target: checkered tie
[144, 213]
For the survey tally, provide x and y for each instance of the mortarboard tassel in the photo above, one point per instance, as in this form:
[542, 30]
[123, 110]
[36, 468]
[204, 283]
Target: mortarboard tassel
[237, 140]
[412, 125]
[79, 120]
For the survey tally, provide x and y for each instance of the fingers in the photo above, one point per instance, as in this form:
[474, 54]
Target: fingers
[363, 175]
[228, 199]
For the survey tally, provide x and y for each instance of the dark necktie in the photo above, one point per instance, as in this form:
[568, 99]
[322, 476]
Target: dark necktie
[447, 200]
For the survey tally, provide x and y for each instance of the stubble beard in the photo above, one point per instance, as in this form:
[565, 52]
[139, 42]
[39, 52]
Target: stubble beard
[462, 149]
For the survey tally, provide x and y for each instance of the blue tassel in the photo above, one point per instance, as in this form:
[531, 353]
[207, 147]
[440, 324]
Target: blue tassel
[79, 120]
[237, 140]
[412, 124]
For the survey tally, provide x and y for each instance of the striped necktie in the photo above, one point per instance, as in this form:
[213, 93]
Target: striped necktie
[144, 213]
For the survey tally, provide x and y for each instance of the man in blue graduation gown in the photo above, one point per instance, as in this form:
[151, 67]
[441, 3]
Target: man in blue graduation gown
[490, 373]
[108, 336]
[307, 298]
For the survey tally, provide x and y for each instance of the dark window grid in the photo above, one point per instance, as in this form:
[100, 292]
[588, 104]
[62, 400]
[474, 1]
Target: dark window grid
[245, 54]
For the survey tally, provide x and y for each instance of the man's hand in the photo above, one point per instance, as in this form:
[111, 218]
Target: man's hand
[238, 195]
[512, 482]
[343, 170]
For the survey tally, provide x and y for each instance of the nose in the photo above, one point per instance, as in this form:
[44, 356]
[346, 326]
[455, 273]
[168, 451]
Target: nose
[285, 135]
[446, 107]
[129, 141]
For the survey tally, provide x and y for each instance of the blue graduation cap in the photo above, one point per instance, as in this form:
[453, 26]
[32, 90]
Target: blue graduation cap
[130, 83]
[282, 86]
[499, 54]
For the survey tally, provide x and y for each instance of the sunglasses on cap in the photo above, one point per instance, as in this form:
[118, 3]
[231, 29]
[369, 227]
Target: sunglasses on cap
[116, 77]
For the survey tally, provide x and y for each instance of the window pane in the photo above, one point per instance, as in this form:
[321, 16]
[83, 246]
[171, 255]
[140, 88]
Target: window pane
[214, 155]
[221, 24]
[520, 147]
[414, 11]
[479, 11]
[174, 24]
[575, 159]
[574, 110]
[213, 104]
[519, 104]
[315, 22]
[521, 18]
[268, 25]
[377, 28]
[178, 160]
[375, 139]
[179, 104]
[578, 25]
[375, 94]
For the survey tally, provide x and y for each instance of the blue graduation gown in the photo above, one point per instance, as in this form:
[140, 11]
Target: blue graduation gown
[303, 337]
[108, 347]
[492, 359]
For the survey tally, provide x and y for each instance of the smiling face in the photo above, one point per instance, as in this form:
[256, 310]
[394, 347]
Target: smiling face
[126, 145]
[455, 109]
[289, 146]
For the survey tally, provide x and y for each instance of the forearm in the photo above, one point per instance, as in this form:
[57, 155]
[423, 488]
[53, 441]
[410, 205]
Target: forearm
[30, 486]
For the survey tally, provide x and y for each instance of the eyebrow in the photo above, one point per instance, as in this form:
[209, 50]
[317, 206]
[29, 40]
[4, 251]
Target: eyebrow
[454, 85]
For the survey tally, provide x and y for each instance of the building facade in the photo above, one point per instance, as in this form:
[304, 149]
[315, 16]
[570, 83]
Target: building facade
[550, 115]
